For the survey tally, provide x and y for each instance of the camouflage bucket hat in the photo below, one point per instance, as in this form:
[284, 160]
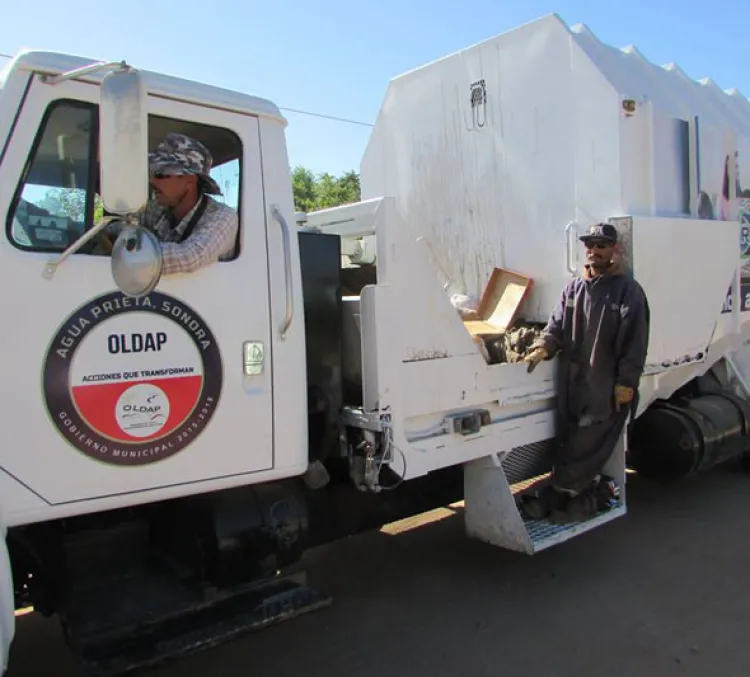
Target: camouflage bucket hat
[179, 154]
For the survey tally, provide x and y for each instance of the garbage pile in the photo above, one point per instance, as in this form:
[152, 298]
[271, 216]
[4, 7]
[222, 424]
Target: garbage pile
[493, 320]
[512, 345]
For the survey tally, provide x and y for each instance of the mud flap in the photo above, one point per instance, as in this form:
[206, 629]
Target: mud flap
[7, 604]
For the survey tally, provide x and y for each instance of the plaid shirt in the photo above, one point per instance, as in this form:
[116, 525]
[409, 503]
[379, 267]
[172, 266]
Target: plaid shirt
[212, 239]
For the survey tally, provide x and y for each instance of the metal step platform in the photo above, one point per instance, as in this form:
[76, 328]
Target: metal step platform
[544, 534]
[492, 485]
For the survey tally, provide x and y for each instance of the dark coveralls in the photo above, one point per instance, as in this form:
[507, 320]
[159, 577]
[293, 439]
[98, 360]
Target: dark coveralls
[600, 331]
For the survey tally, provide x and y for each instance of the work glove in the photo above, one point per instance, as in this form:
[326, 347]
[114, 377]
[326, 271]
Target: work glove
[623, 395]
[535, 357]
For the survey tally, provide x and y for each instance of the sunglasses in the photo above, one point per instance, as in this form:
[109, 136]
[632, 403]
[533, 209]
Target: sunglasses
[163, 175]
[597, 245]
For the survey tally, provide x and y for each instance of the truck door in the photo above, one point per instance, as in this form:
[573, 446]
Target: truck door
[105, 395]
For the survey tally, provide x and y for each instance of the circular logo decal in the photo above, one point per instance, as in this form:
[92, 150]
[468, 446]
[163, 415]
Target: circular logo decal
[132, 381]
[142, 410]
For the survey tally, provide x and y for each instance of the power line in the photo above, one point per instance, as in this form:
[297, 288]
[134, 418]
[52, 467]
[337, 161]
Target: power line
[289, 110]
[326, 117]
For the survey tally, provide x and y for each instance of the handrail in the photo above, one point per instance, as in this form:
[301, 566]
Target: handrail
[569, 257]
[288, 280]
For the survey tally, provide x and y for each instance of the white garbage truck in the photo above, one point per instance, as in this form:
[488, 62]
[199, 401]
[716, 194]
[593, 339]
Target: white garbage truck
[172, 444]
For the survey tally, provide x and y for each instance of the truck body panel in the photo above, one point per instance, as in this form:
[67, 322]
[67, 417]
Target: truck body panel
[502, 154]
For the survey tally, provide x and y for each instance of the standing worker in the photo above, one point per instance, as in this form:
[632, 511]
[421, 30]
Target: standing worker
[600, 330]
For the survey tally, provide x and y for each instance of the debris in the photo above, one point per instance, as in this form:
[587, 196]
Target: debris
[509, 346]
[492, 322]
[466, 306]
[482, 346]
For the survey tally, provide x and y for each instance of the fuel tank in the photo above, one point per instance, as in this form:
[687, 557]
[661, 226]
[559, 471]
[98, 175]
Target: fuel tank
[674, 439]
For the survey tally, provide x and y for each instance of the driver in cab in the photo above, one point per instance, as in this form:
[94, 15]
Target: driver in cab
[195, 230]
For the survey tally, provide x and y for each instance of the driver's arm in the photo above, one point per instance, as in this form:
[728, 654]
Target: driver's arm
[212, 237]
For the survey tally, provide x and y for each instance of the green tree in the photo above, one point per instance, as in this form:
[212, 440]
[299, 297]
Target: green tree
[303, 187]
[349, 187]
[70, 203]
[64, 202]
[325, 190]
[311, 193]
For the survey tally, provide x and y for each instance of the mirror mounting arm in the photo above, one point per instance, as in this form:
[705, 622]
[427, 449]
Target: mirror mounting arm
[80, 72]
[50, 267]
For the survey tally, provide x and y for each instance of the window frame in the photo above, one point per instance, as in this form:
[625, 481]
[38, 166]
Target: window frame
[241, 163]
[93, 170]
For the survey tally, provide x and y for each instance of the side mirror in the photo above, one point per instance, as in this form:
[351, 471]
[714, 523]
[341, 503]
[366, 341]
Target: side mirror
[136, 261]
[123, 132]
[123, 148]
[123, 141]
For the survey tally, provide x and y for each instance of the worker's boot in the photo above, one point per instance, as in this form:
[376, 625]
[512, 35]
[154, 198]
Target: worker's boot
[601, 496]
[580, 507]
[540, 503]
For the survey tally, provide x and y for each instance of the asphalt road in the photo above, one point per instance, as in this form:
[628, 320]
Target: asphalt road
[663, 591]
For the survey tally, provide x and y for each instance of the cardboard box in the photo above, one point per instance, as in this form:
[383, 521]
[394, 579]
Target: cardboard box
[501, 300]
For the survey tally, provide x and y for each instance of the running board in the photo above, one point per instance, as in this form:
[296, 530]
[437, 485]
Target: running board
[492, 515]
[157, 638]
[544, 534]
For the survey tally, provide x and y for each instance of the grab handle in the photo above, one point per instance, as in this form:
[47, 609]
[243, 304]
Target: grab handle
[287, 243]
[570, 260]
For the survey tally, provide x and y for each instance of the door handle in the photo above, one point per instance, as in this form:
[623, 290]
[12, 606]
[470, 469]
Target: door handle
[286, 239]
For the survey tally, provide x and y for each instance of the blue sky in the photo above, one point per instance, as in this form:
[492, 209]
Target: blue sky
[336, 58]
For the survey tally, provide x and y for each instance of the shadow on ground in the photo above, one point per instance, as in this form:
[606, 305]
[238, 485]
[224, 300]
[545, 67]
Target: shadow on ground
[661, 591]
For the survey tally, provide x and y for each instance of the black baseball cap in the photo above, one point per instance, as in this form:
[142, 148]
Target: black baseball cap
[600, 232]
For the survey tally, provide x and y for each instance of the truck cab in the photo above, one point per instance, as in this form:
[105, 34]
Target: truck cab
[125, 400]
[221, 325]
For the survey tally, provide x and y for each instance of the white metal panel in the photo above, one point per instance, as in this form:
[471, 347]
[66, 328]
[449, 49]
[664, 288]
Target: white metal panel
[12, 95]
[481, 184]
[157, 83]
[420, 362]
[669, 89]
[422, 324]
[685, 296]
[376, 341]
[237, 445]
[594, 124]
[553, 144]
[18, 500]
[289, 358]
[637, 140]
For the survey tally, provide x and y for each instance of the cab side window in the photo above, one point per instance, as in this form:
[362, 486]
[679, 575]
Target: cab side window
[58, 200]
[226, 151]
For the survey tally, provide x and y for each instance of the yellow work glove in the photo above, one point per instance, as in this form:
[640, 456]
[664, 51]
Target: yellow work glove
[623, 395]
[535, 357]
